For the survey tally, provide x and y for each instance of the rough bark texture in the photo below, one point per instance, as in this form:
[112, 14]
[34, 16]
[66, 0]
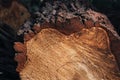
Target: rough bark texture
[84, 55]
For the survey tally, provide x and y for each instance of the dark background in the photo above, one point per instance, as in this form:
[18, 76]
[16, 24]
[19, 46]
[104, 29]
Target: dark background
[111, 8]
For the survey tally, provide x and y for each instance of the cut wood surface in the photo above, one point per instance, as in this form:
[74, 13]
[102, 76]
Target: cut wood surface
[84, 55]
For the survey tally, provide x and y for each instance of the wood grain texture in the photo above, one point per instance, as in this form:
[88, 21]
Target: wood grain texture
[84, 55]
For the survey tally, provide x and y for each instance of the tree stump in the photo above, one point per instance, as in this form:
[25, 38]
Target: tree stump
[84, 55]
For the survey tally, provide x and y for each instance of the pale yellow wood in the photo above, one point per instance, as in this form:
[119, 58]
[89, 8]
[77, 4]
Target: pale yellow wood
[81, 56]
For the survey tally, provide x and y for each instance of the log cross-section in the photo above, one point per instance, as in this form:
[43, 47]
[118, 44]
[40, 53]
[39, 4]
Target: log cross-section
[84, 55]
